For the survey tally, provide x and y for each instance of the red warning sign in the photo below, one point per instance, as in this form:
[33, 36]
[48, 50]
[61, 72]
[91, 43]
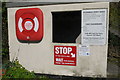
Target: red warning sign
[65, 55]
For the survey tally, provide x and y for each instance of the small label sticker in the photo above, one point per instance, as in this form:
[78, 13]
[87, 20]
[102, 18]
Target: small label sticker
[84, 50]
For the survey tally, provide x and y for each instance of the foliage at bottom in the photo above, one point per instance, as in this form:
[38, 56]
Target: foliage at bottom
[16, 70]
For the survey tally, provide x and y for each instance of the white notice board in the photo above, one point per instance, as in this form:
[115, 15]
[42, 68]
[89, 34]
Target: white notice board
[94, 27]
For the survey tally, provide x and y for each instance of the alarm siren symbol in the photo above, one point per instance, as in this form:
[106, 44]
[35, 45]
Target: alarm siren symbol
[29, 25]
[36, 26]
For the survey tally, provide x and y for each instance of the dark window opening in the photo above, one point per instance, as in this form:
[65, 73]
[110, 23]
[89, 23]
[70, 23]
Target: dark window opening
[66, 26]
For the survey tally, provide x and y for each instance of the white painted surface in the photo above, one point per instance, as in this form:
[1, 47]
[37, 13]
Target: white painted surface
[20, 24]
[39, 57]
[28, 25]
[36, 24]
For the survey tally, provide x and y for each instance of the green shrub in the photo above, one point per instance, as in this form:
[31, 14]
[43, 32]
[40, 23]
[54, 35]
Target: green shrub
[15, 70]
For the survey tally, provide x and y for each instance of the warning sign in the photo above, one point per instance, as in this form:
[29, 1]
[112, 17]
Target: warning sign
[65, 55]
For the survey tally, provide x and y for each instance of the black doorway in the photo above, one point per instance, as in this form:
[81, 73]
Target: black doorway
[66, 26]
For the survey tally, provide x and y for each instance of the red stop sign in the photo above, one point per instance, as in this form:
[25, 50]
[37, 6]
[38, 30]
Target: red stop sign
[65, 55]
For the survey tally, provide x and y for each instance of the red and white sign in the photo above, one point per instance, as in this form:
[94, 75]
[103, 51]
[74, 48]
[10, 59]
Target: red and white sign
[65, 55]
[29, 25]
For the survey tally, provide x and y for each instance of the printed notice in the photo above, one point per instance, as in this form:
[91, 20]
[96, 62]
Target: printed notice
[94, 27]
[83, 50]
